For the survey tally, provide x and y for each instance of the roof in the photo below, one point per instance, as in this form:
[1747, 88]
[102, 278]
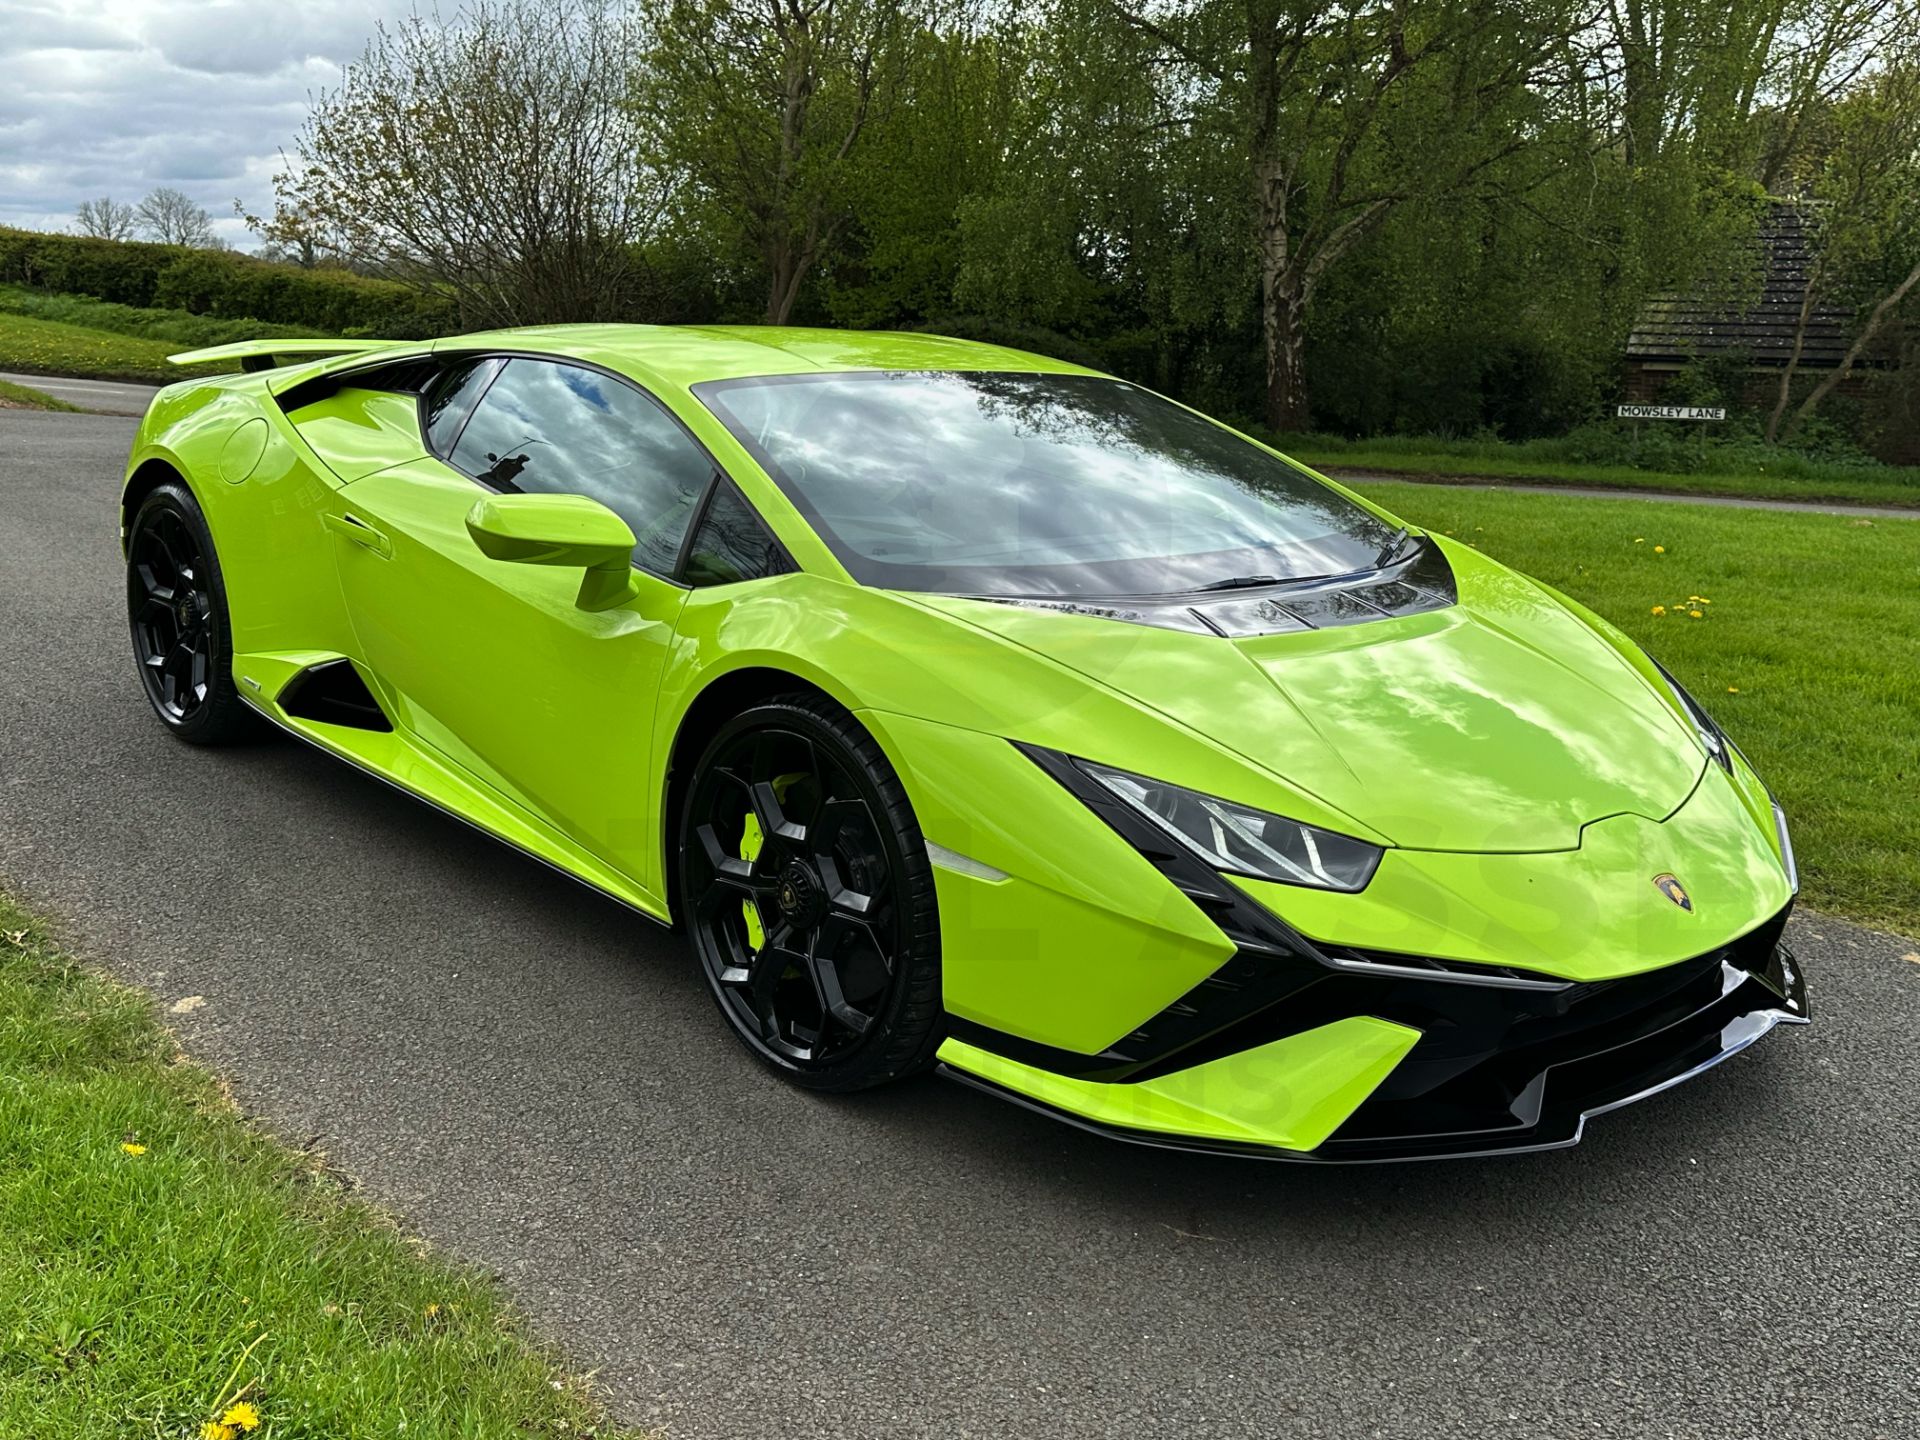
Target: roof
[1677, 328]
[689, 354]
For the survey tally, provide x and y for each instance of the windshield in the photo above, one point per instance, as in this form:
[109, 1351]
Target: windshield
[1036, 485]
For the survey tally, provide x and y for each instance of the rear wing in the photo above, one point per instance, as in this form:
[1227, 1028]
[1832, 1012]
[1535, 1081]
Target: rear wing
[266, 354]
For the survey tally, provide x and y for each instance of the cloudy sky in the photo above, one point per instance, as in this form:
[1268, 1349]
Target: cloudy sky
[115, 97]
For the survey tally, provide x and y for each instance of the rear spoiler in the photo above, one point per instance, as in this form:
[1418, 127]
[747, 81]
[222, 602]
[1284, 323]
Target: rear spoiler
[266, 354]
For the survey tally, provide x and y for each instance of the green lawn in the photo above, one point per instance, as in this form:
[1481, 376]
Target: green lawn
[52, 347]
[1739, 470]
[20, 397]
[1808, 655]
[162, 1261]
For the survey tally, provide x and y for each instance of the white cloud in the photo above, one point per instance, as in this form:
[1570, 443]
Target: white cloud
[118, 97]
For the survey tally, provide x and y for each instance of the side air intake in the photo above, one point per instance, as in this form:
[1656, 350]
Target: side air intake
[334, 694]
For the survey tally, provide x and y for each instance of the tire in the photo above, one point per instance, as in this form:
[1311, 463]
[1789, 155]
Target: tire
[177, 615]
[809, 898]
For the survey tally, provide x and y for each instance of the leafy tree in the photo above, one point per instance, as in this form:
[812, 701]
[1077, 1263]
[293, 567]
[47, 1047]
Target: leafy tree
[105, 219]
[1344, 113]
[489, 157]
[1864, 183]
[761, 111]
[168, 216]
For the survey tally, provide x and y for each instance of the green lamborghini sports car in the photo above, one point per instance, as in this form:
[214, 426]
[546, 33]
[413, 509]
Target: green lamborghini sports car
[971, 710]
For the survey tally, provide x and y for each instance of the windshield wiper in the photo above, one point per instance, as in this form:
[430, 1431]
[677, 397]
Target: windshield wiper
[1390, 551]
[1238, 582]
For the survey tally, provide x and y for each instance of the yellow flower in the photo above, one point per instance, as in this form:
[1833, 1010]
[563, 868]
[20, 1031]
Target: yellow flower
[1659, 549]
[241, 1417]
[1694, 613]
[1659, 609]
[214, 1430]
[133, 1149]
[1733, 689]
[431, 1311]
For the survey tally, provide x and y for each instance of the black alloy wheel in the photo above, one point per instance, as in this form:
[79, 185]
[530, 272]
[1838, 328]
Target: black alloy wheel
[177, 612]
[809, 897]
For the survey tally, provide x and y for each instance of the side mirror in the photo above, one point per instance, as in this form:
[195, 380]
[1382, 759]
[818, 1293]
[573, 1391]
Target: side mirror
[560, 530]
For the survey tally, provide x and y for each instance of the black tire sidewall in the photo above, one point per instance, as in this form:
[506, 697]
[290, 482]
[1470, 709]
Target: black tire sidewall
[223, 716]
[911, 1024]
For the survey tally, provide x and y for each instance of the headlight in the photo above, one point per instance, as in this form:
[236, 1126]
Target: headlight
[1248, 842]
[1711, 735]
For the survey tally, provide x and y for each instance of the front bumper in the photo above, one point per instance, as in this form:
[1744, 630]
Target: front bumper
[1470, 1084]
[1297, 1049]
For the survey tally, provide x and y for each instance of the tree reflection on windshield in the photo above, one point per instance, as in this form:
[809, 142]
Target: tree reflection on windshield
[1009, 483]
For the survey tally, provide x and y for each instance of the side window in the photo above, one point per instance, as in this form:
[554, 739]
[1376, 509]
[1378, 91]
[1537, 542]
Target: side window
[733, 544]
[451, 399]
[548, 427]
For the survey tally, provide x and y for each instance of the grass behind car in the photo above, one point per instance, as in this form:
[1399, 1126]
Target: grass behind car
[1806, 648]
[52, 347]
[1667, 464]
[22, 397]
[168, 1271]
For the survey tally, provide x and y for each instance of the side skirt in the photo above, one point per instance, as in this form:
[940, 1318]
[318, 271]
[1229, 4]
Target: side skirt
[389, 756]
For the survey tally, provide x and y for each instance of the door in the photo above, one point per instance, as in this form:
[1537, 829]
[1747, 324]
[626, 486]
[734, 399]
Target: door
[493, 663]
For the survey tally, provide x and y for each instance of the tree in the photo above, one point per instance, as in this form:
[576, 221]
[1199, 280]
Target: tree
[105, 219]
[1345, 112]
[1865, 203]
[490, 157]
[759, 110]
[168, 216]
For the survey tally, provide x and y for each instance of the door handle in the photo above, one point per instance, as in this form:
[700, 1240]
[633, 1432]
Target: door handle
[351, 527]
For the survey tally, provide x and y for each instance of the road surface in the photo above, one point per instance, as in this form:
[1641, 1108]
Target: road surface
[537, 1080]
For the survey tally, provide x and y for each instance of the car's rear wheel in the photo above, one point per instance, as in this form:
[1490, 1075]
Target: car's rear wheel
[809, 897]
[177, 611]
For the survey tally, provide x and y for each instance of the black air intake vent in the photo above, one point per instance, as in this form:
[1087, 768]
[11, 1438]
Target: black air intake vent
[334, 694]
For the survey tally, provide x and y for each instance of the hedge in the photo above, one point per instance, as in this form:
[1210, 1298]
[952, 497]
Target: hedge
[220, 283]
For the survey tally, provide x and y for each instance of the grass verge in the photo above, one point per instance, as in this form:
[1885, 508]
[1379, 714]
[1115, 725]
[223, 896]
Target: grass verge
[161, 1261]
[180, 328]
[20, 397]
[1731, 470]
[1808, 654]
[53, 347]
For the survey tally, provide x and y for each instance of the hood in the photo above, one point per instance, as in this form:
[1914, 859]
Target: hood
[1501, 723]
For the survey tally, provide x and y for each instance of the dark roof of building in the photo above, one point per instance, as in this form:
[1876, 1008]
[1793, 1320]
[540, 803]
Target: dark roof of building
[1677, 328]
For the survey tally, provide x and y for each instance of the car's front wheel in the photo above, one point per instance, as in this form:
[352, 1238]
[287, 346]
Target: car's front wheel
[177, 611]
[809, 897]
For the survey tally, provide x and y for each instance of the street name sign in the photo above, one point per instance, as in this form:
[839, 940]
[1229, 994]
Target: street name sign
[1671, 412]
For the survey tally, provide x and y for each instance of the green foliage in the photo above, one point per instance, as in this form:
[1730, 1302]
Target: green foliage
[219, 284]
[181, 329]
[158, 1255]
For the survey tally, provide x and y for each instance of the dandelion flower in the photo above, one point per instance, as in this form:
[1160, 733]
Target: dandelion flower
[431, 1310]
[241, 1417]
[214, 1430]
[1659, 549]
[132, 1149]
[1733, 689]
[1659, 609]
[1694, 613]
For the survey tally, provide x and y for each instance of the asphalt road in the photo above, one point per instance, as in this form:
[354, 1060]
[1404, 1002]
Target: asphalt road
[108, 397]
[536, 1080]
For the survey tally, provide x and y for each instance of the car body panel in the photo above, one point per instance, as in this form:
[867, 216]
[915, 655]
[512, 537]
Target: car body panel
[1330, 1071]
[1527, 771]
